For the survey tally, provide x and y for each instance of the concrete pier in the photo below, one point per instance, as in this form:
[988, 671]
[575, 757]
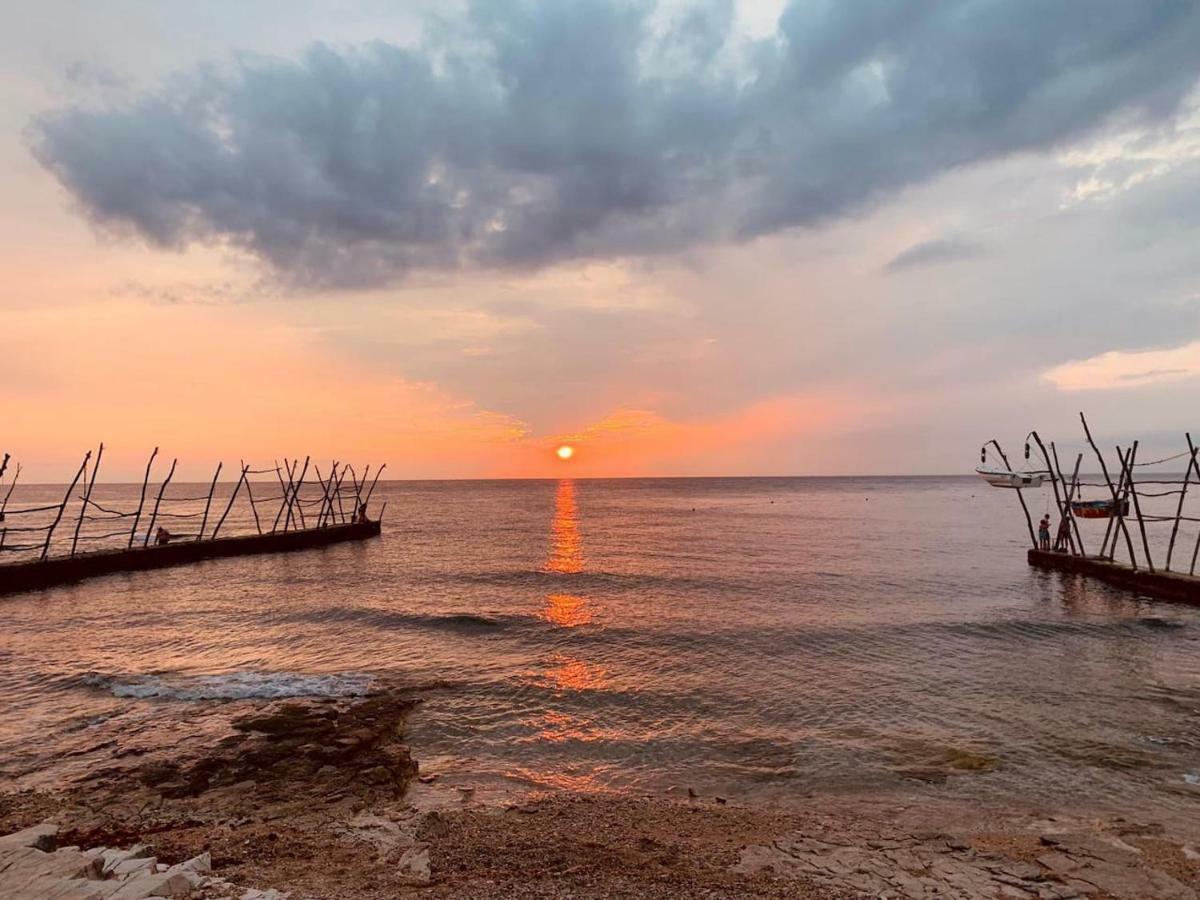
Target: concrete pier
[38, 574]
[1172, 586]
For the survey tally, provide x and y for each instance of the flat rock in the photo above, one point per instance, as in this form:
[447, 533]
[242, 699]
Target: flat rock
[39, 837]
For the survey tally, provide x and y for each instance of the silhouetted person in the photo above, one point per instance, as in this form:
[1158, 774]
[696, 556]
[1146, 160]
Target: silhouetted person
[162, 536]
[1062, 540]
[1044, 532]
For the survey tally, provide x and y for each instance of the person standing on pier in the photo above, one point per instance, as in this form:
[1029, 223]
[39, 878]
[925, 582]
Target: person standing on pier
[1062, 540]
[1044, 532]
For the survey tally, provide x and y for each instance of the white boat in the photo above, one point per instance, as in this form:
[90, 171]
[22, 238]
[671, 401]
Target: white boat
[1003, 478]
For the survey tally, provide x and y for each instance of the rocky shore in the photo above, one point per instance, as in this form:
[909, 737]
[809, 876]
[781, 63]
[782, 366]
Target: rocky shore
[321, 799]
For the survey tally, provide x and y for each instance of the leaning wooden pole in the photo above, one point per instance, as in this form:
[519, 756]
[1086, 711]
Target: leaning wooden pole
[1071, 496]
[283, 498]
[63, 505]
[1122, 502]
[142, 502]
[232, 497]
[1187, 474]
[253, 507]
[1054, 476]
[296, 493]
[162, 490]
[11, 487]
[379, 472]
[993, 442]
[4, 464]
[87, 498]
[1068, 496]
[1107, 480]
[1137, 507]
[208, 503]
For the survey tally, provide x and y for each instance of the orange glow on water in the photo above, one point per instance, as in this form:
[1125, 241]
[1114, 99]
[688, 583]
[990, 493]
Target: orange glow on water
[566, 551]
[567, 610]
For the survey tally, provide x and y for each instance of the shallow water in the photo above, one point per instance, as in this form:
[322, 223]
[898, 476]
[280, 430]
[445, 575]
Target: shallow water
[756, 638]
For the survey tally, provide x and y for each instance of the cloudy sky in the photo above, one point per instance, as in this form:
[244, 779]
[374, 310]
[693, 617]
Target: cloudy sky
[687, 236]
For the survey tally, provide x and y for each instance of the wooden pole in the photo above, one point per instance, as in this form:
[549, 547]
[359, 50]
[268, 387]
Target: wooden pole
[63, 505]
[1119, 512]
[1137, 507]
[87, 498]
[357, 490]
[1071, 496]
[1068, 493]
[1187, 474]
[337, 493]
[154, 516]
[11, 487]
[384, 466]
[4, 465]
[1054, 478]
[296, 492]
[1114, 520]
[208, 504]
[326, 502]
[253, 508]
[283, 498]
[232, 497]
[142, 502]
[1107, 480]
[993, 442]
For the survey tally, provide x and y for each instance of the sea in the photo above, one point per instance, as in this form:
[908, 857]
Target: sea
[757, 639]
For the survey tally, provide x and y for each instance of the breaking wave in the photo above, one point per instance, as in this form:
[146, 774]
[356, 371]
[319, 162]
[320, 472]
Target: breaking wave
[233, 686]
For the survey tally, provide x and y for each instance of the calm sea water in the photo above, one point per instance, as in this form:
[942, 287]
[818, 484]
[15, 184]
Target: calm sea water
[748, 637]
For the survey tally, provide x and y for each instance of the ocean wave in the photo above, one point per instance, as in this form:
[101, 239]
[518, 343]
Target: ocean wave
[392, 619]
[232, 686]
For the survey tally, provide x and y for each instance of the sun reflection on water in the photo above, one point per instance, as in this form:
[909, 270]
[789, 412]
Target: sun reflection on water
[566, 551]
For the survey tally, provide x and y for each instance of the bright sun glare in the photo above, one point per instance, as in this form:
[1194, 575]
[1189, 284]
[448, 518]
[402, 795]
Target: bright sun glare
[566, 451]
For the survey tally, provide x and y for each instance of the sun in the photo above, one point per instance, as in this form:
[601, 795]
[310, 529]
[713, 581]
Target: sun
[566, 451]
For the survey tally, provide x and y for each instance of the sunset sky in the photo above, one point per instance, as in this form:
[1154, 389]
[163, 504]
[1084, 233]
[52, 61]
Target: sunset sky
[686, 238]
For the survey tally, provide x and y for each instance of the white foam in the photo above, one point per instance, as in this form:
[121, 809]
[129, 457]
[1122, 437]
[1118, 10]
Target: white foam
[235, 686]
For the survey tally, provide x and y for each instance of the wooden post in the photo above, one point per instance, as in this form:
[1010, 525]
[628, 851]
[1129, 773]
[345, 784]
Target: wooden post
[87, 498]
[11, 487]
[4, 465]
[1070, 497]
[142, 502]
[1107, 480]
[993, 442]
[253, 508]
[327, 501]
[154, 516]
[1054, 478]
[1137, 507]
[63, 505]
[357, 490]
[1116, 522]
[337, 493]
[283, 498]
[296, 491]
[232, 497]
[211, 489]
[384, 466]
[1187, 474]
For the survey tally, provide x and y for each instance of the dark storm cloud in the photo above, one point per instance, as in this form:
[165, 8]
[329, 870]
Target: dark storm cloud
[534, 131]
[927, 253]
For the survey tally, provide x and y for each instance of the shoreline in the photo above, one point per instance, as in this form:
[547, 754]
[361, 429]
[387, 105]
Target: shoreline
[322, 799]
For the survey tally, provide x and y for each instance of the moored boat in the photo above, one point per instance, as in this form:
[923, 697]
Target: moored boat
[1099, 509]
[1003, 478]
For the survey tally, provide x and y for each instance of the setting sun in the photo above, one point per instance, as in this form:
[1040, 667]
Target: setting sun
[566, 451]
